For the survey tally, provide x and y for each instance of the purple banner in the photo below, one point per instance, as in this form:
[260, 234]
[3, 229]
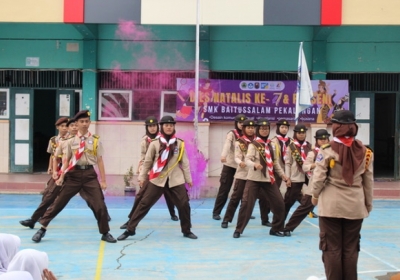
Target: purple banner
[222, 100]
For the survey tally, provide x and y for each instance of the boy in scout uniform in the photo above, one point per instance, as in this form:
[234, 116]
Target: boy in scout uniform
[342, 186]
[169, 168]
[229, 166]
[77, 174]
[305, 207]
[51, 191]
[152, 133]
[296, 154]
[260, 182]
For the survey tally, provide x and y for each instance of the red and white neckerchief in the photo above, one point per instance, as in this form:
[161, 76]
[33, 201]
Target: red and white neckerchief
[345, 140]
[78, 154]
[149, 140]
[284, 141]
[302, 152]
[245, 138]
[163, 158]
[268, 158]
[237, 135]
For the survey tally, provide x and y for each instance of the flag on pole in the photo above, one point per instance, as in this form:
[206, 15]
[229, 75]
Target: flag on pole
[304, 88]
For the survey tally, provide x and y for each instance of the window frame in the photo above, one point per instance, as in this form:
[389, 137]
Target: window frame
[130, 101]
[163, 93]
[7, 90]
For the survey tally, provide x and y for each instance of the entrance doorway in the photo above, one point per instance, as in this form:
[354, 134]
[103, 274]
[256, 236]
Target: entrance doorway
[44, 118]
[384, 136]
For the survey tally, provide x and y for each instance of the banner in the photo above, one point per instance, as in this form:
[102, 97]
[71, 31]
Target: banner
[222, 100]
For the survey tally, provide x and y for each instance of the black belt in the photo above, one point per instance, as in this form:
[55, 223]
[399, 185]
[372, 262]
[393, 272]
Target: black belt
[83, 167]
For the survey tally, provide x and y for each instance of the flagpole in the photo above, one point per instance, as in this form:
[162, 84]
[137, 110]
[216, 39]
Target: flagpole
[196, 83]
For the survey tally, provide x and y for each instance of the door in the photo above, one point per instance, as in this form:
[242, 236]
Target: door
[21, 134]
[362, 106]
[65, 103]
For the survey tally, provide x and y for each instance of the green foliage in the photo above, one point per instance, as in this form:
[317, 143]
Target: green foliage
[128, 177]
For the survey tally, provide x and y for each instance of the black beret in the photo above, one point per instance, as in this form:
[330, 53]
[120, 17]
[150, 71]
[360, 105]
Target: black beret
[151, 120]
[240, 118]
[282, 122]
[82, 114]
[344, 117]
[262, 122]
[167, 119]
[321, 134]
[300, 128]
[249, 123]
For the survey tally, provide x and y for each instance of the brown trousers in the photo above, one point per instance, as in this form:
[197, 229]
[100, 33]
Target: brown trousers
[49, 195]
[85, 182]
[301, 212]
[179, 197]
[139, 196]
[340, 244]
[226, 181]
[236, 198]
[278, 183]
[292, 195]
[263, 190]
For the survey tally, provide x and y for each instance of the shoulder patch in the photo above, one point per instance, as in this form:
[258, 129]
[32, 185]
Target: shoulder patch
[96, 136]
[323, 147]
[180, 139]
[319, 158]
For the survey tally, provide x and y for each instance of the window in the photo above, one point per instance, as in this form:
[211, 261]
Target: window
[168, 104]
[115, 105]
[4, 103]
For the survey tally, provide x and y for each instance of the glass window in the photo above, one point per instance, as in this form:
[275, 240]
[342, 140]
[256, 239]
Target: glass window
[168, 104]
[4, 103]
[115, 105]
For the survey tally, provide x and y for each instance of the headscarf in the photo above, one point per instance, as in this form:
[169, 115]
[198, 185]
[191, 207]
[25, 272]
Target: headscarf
[9, 246]
[16, 275]
[30, 260]
[351, 151]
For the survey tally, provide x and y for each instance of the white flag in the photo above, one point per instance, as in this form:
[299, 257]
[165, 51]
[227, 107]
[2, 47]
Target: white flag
[304, 88]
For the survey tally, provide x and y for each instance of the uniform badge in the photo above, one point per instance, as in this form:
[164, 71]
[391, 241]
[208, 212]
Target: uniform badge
[176, 150]
[319, 158]
[90, 142]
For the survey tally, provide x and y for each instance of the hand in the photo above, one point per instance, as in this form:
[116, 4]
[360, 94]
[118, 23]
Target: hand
[141, 183]
[258, 166]
[190, 184]
[313, 166]
[49, 171]
[48, 275]
[223, 159]
[314, 201]
[60, 181]
[103, 185]
[242, 165]
[288, 182]
[55, 176]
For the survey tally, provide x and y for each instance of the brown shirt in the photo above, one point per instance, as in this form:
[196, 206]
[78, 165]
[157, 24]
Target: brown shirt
[177, 175]
[336, 199]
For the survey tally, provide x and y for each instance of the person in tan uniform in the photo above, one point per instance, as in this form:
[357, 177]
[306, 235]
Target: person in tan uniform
[296, 154]
[241, 146]
[229, 166]
[260, 182]
[83, 151]
[152, 133]
[342, 186]
[305, 207]
[51, 191]
[169, 168]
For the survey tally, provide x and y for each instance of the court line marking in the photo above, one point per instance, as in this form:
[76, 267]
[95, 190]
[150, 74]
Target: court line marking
[99, 266]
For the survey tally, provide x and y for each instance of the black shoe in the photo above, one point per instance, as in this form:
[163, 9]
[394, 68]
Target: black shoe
[28, 223]
[252, 217]
[107, 237]
[174, 218]
[124, 226]
[224, 224]
[216, 217]
[39, 235]
[286, 232]
[236, 234]
[108, 217]
[190, 235]
[267, 224]
[276, 233]
[126, 234]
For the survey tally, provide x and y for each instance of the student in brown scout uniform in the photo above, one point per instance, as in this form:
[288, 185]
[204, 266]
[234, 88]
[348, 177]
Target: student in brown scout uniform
[152, 132]
[229, 166]
[51, 191]
[169, 168]
[241, 146]
[305, 207]
[342, 186]
[296, 154]
[260, 182]
[83, 151]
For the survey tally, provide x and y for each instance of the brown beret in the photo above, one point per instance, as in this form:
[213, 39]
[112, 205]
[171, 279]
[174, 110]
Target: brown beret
[71, 120]
[61, 120]
[82, 114]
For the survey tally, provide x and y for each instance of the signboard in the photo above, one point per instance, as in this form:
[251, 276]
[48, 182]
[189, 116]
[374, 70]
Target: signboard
[222, 100]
